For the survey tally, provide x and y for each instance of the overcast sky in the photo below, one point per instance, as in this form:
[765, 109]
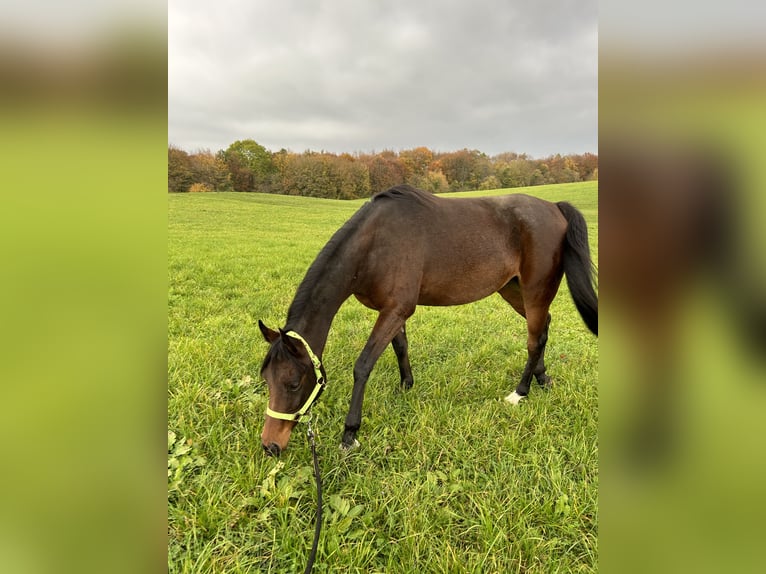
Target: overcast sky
[351, 75]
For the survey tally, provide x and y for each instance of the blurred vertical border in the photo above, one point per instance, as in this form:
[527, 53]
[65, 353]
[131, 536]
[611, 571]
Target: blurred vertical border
[83, 109]
[682, 214]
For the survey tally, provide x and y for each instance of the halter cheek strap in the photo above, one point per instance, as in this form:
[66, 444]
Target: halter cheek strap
[318, 387]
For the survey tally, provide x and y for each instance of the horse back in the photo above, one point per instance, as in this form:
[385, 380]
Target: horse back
[449, 251]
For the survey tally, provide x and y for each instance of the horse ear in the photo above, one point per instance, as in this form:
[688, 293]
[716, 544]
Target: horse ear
[269, 334]
[290, 343]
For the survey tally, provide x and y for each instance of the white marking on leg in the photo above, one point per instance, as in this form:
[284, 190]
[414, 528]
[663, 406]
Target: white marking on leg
[514, 398]
[347, 448]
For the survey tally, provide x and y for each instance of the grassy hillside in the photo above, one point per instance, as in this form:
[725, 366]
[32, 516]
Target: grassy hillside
[449, 477]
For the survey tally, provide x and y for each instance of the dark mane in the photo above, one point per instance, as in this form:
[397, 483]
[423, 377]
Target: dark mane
[330, 251]
[406, 192]
[277, 352]
[317, 269]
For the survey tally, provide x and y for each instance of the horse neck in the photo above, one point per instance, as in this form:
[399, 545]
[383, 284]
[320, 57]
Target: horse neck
[316, 303]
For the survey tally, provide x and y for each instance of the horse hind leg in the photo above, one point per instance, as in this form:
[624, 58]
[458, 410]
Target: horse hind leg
[512, 294]
[401, 346]
[537, 330]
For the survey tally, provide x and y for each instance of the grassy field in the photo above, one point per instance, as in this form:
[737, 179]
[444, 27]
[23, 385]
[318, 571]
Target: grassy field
[449, 478]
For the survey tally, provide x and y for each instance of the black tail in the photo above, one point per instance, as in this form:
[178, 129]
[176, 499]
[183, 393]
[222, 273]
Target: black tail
[578, 266]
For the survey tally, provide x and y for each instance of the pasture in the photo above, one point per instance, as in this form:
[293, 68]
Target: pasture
[449, 477]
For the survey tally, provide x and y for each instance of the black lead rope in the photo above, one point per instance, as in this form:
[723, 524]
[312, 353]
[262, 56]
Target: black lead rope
[318, 528]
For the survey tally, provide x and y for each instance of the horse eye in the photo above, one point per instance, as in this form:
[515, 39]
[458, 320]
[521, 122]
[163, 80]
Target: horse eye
[293, 385]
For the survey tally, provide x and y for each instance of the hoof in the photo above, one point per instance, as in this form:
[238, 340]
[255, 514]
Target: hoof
[349, 447]
[545, 382]
[514, 398]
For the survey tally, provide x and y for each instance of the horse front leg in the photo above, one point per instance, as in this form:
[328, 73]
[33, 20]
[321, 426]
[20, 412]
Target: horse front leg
[387, 326]
[537, 335]
[542, 379]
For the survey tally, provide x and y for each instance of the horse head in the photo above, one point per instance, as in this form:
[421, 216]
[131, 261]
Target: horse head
[294, 382]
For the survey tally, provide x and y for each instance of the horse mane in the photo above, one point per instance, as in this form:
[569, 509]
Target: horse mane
[408, 193]
[277, 352]
[330, 251]
[317, 269]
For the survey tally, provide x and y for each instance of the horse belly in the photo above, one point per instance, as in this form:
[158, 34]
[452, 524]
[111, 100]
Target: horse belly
[473, 281]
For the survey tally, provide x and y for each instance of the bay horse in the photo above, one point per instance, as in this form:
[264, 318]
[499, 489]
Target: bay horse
[406, 247]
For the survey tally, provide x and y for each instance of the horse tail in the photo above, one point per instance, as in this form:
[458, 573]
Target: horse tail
[578, 267]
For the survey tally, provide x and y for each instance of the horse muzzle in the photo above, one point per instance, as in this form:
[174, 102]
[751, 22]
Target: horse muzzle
[275, 436]
[272, 449]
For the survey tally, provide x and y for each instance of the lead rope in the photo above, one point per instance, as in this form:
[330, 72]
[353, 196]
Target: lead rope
[318, 528]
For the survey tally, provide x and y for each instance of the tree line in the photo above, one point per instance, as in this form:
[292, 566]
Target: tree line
[247, 166]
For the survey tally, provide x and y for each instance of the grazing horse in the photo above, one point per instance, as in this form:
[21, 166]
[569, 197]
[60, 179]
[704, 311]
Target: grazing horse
[405, 248]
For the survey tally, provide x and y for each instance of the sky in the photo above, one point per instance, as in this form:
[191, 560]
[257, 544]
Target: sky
[365, 76]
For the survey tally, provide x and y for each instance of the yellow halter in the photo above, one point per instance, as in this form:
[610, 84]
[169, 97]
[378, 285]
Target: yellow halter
[318, 387]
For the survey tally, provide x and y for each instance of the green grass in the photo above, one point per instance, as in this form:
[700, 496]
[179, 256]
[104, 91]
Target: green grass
[449, 477]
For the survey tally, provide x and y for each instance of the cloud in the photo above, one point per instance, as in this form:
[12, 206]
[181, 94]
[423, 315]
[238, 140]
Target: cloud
[362, 76]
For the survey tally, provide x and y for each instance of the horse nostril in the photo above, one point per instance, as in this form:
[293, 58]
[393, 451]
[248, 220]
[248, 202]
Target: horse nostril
[272, 449]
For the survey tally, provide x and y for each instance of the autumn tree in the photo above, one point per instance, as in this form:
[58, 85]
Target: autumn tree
[509, 156]
[325, 175]
[210, 171]
[180, 176]
[562, 169]
[541, 175]
[247, 166]
[490, 182]
[587, 166]
[353, 179]
[250, 165]
[417, 163]
[465, 169]
[514, 173]
[385, 170]
[435, 182]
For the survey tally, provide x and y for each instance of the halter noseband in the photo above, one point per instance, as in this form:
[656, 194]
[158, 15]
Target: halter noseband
[318, 387]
